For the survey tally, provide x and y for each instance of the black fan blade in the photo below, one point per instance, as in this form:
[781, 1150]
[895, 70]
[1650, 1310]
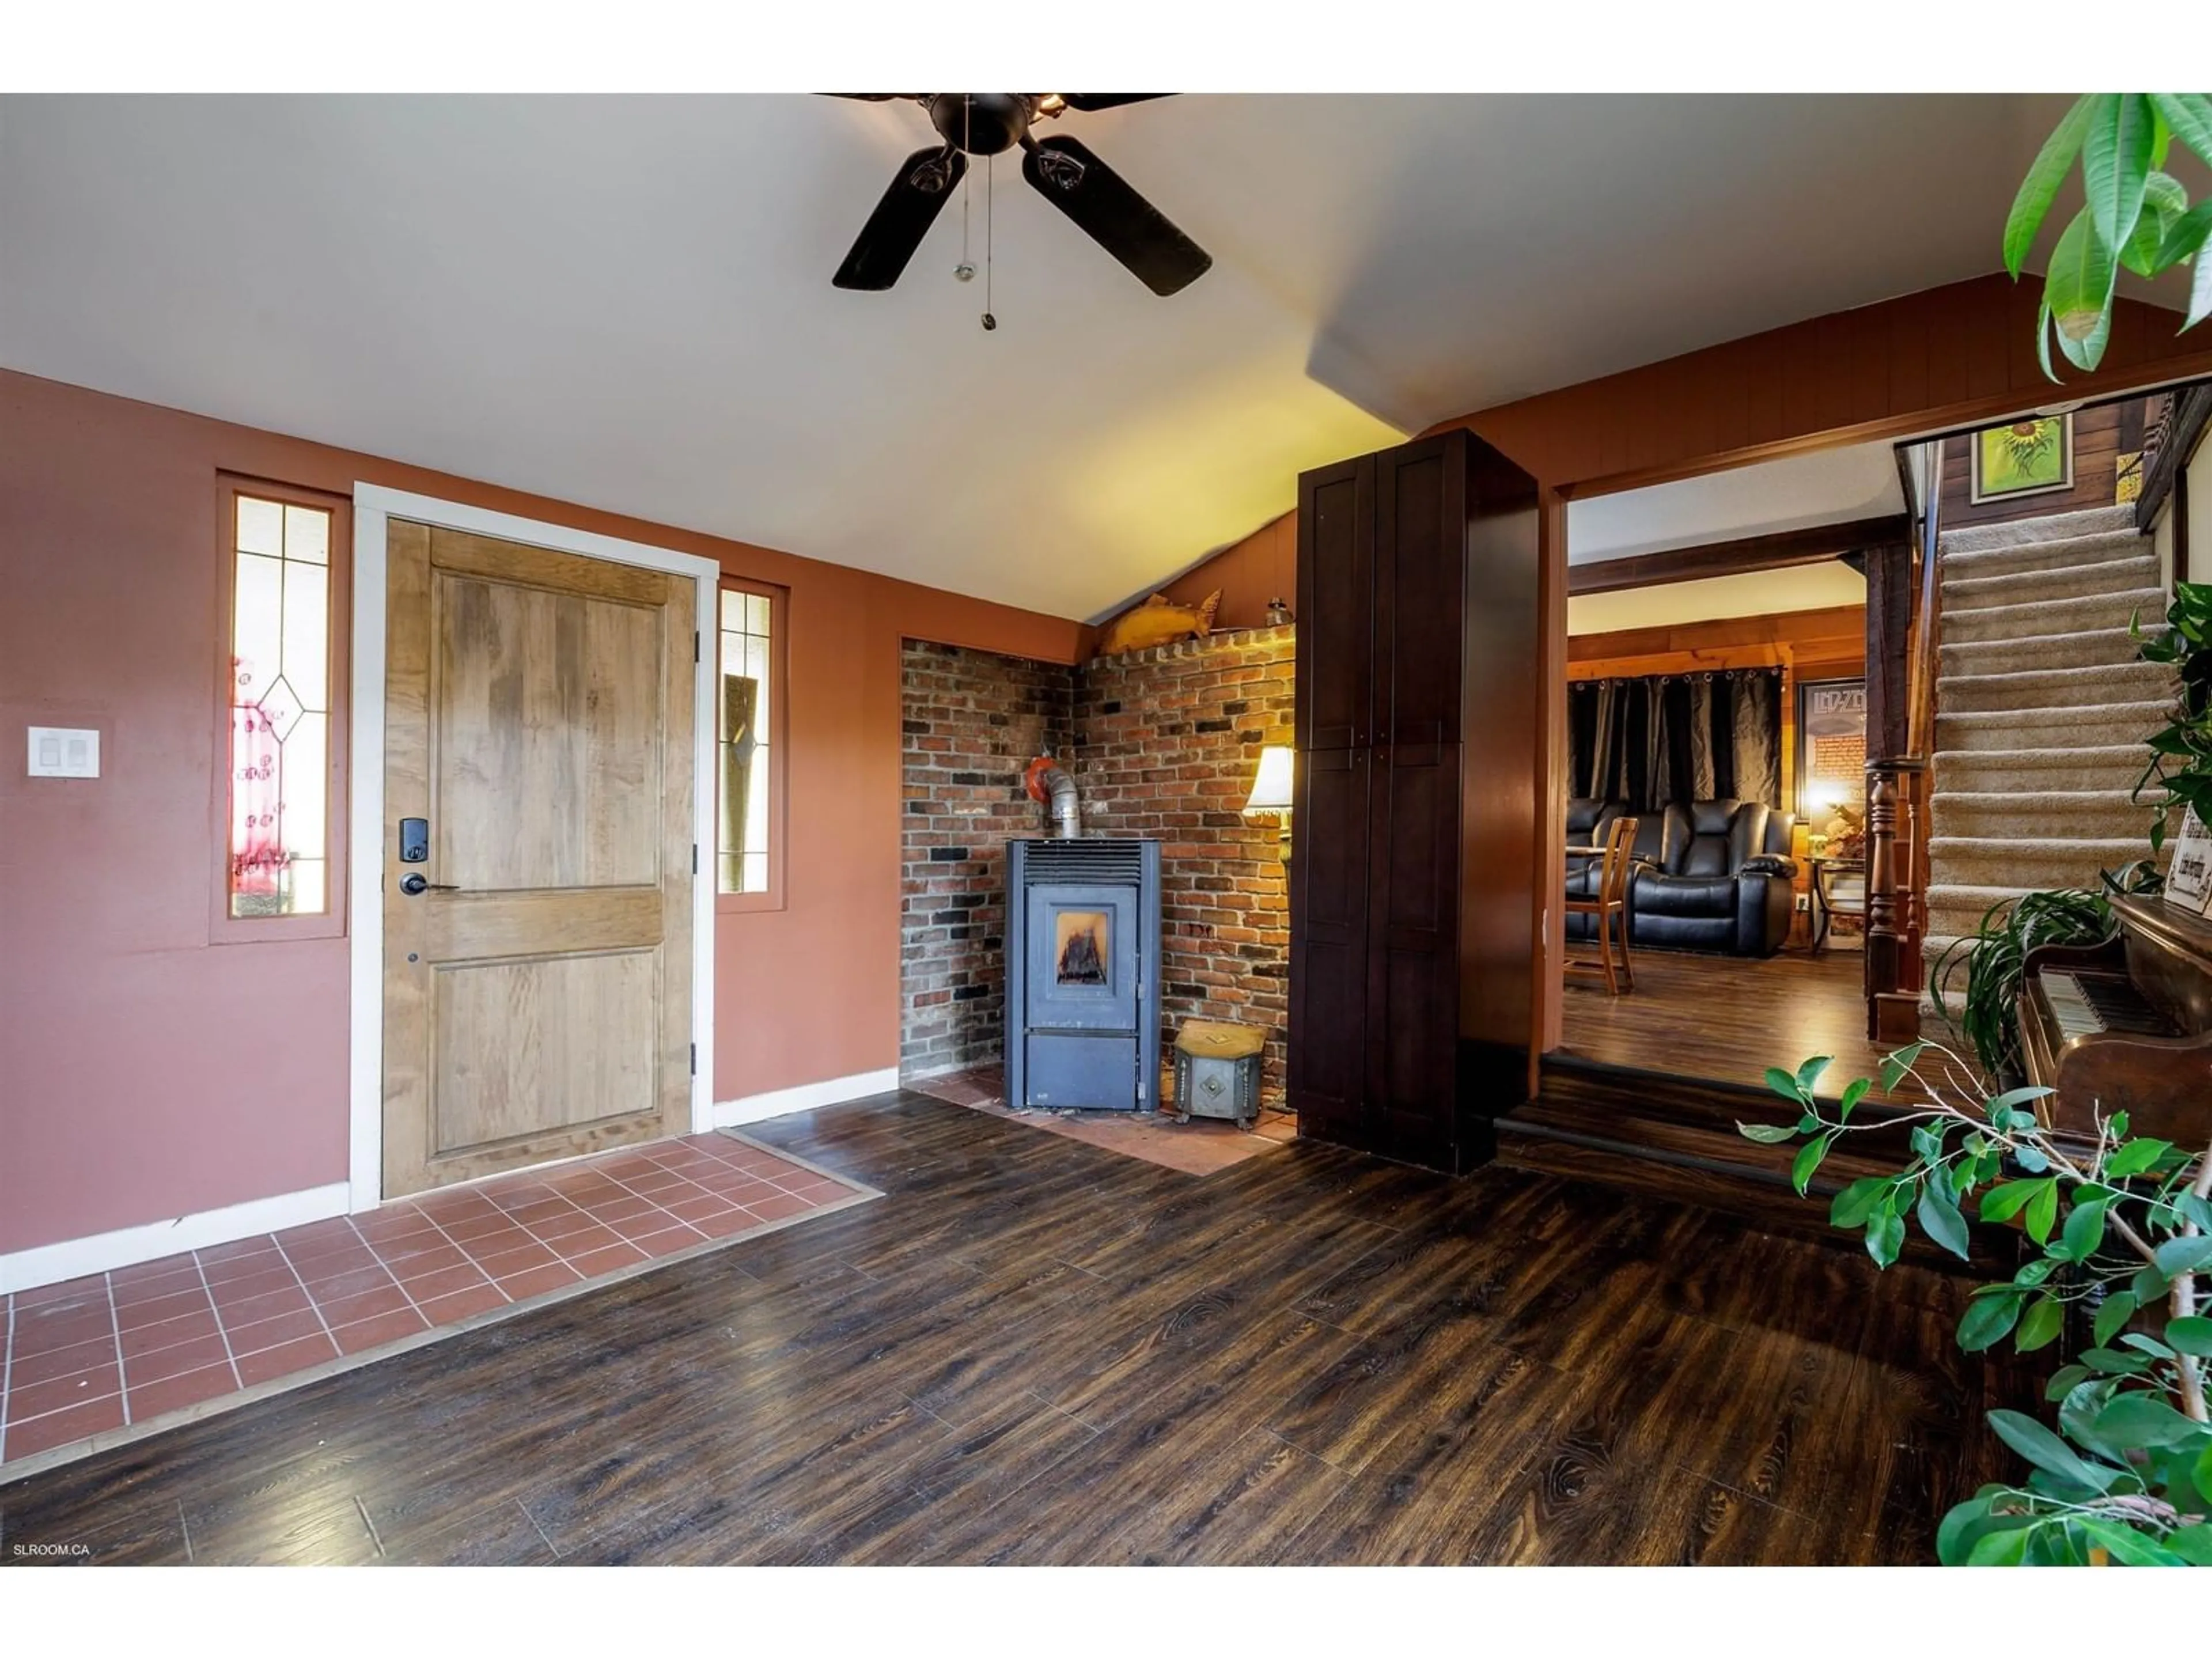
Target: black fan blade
[1066, 173]
[1090, 100]
[920, 190]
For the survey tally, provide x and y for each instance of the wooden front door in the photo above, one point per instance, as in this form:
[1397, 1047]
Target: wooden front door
[538, 979]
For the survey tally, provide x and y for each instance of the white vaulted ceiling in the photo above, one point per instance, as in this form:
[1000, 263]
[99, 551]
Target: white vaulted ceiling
[626, 301]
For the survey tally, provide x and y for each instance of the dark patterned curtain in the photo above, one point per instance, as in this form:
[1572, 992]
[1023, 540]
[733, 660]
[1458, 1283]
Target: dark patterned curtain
[1678, 737]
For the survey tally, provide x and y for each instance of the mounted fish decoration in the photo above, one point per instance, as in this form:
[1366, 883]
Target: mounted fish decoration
[1158, 621]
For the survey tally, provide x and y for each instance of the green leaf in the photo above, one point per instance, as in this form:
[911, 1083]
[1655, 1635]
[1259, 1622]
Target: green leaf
[2084, 1230]
[1895, 1066]
[2000, 1549]
[2148, 1286]
[1941, 1220]
[2040, 1447]
[1854, 1092]
[2150, 1344]
[2012, 1098]
[1856, 1202]
[2064, 1382]
[2128, 1547]
[1781, 1082]
[2189, 115]
[1810, 1073]
[2110, 1362]
[2041, 1210]
[2178, 1257]
[2200, 294]
[1988, 1318]
[2078, 289]
[2035, 1270]
[2191, 1333]
[2136, 1157]
[2202, 1473]
[2115, 148]
[2049, 170]
[2186, 235]
[2143, 1420]
[1768, 1134]
[2193, 1544]
[1884, 1236]
[2112, 1317]
[2164, 203]
[2040, 1325]
[2002, 1203]
[1808, 1160]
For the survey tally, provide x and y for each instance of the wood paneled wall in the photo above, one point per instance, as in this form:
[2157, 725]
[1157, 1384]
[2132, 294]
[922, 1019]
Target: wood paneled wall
[1958, 356]
[2101, 435]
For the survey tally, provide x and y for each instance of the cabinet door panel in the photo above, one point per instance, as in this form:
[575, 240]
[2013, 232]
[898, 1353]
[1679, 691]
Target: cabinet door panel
[1334, 672]
[1329, 949]
[1420, 557]
[1412, 987]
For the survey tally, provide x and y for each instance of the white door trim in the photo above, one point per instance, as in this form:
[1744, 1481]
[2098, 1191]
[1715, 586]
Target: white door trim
[372, 505]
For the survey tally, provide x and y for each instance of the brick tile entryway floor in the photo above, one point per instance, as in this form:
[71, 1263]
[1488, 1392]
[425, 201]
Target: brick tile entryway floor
[118, 1351]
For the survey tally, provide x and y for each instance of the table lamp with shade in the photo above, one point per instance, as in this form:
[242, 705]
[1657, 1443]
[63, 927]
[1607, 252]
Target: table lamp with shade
[1271, 791]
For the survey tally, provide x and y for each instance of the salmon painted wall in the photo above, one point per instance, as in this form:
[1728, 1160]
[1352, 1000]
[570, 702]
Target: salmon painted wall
[146, 1072]
[1262, 566]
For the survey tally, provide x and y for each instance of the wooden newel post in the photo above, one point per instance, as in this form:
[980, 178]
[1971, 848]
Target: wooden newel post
[1892, 1007]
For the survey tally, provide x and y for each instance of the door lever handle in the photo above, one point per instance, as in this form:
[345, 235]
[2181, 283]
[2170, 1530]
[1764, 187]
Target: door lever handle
[412, 884]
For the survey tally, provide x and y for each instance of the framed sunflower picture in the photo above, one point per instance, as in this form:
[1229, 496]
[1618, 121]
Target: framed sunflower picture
[2026, 458]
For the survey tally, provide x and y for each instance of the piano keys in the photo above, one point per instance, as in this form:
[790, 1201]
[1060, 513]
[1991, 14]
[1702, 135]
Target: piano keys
[2124, 1026]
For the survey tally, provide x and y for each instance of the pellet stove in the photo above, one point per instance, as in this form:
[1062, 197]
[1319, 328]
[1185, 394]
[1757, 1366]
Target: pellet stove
[1083, 983]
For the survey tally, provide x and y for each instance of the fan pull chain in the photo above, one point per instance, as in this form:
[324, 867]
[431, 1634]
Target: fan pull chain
[965, 271]
[990, 198]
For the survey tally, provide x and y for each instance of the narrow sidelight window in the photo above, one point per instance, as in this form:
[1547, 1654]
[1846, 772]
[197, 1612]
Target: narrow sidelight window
[748, 860]
[281, 746]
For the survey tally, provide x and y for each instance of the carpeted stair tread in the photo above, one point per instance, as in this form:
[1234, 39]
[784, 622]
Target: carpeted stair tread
[2093, 522]
[2018, 689]
[2041, 862]
[2092, 766]
[2094, 726]
[2096, 647]
[2080, 613]
[2120, 573]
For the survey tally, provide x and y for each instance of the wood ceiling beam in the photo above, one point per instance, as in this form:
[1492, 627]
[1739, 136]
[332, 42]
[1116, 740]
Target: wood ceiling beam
[1772, 552]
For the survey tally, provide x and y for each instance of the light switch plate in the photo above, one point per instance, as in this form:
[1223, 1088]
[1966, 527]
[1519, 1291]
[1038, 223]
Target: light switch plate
[60, 752]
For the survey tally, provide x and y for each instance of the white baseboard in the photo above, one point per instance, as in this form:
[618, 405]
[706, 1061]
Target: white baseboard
[728, 1113]
[74, 1258]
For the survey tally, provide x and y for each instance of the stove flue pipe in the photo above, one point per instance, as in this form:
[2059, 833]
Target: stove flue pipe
[1046, 781]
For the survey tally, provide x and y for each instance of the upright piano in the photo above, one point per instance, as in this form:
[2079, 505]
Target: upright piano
[2125, 1025]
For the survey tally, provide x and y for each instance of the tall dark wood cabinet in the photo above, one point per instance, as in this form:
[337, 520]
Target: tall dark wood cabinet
[1412, 936]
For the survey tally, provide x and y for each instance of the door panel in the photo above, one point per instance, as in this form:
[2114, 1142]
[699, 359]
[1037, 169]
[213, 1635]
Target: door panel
[1083, 955]
[1333, 672]
[1414, 869]
[1420, 557]
[545, 697]
[521, 1046]
[1329, 936]
[537, 992]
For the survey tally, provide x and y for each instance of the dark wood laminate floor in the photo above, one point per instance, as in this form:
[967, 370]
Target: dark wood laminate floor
[1726, 1020]
[1035, 1351]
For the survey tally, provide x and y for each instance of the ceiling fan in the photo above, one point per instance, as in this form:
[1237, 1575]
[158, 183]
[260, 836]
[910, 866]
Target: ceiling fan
[1061, 169]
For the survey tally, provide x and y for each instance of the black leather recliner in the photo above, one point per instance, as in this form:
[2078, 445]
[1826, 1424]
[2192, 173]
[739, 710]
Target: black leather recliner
[1716, 875]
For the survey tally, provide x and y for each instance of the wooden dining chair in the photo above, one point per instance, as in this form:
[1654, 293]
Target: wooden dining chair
[1609, 904]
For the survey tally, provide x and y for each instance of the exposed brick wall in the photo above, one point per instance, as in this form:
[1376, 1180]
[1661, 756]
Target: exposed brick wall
[1166, 743]
[1162, 743]
[972, 721]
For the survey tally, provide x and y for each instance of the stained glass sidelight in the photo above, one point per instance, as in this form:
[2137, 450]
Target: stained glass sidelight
[747, 726]
[279, 709]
